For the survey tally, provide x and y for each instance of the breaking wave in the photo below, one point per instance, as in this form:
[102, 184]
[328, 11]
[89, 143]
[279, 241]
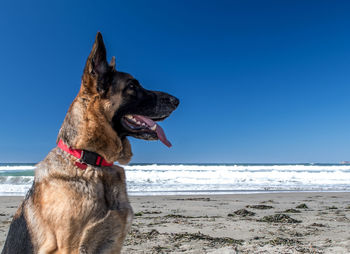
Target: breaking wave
[157, 179]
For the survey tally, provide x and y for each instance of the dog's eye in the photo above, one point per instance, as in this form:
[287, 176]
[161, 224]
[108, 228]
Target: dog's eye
[130, 89]
[132, 86]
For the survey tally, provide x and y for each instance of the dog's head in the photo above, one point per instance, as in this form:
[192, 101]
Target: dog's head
[117, 99]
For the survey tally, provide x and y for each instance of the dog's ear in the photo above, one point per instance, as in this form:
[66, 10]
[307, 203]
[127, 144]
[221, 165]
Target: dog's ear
[97, 61]
[112, 63]
[97, 66]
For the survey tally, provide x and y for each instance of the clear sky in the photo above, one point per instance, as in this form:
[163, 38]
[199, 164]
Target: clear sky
[259, 81]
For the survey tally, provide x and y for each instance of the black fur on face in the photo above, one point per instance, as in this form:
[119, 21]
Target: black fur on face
[139, 101]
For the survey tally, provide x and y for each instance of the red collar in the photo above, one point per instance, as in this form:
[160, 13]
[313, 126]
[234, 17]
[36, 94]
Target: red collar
[85, 157]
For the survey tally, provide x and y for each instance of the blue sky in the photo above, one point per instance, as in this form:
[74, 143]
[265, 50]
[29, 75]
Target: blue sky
[259, 81]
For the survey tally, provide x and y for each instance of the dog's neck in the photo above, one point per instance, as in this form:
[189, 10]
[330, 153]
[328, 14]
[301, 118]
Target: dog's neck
[86, 127]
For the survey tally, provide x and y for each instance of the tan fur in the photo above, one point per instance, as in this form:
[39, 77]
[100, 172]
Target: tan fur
[96, 133]
[65, 217]
[71, 210]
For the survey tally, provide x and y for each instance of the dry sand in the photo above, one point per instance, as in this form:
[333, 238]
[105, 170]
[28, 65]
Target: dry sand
[247, 223]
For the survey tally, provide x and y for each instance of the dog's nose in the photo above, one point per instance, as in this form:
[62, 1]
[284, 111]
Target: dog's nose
[174, 101]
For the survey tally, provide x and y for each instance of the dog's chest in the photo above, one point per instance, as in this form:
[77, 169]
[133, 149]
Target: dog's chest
[72, 206]
[89, 194]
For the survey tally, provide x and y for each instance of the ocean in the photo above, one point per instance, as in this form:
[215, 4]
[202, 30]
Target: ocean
[174, 179]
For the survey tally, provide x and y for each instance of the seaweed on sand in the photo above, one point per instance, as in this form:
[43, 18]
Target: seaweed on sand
[283, 241]
[302, 206]
[136, 236]
[261, 207]
[332, 208]
[292, 210]
[281, 218]
[242, 212]
[213, 241]
[318, 225]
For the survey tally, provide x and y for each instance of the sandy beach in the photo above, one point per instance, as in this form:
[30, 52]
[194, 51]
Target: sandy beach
[240, 223]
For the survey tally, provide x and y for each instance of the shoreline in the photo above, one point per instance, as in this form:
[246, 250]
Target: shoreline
[210, 193]
[231, 223]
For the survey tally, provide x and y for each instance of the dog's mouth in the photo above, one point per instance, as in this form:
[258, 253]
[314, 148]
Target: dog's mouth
[145, 128]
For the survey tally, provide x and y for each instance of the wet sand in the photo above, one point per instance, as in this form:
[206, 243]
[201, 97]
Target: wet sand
[240, 223]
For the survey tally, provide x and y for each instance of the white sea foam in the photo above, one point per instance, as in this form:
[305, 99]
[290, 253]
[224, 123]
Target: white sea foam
[15, 168]
[16, 180]
[190, 179]
[251, 167]
[14, 190]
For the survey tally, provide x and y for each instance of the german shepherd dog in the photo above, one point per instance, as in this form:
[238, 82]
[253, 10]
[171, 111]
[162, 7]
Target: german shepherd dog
[78, 202]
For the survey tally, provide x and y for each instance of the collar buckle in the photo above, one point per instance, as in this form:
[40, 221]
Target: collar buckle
[88, 157]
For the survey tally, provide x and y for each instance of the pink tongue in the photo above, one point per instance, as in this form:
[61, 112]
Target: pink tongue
[159, 130]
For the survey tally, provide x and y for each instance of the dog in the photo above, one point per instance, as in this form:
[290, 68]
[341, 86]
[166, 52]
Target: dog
[78, 202]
